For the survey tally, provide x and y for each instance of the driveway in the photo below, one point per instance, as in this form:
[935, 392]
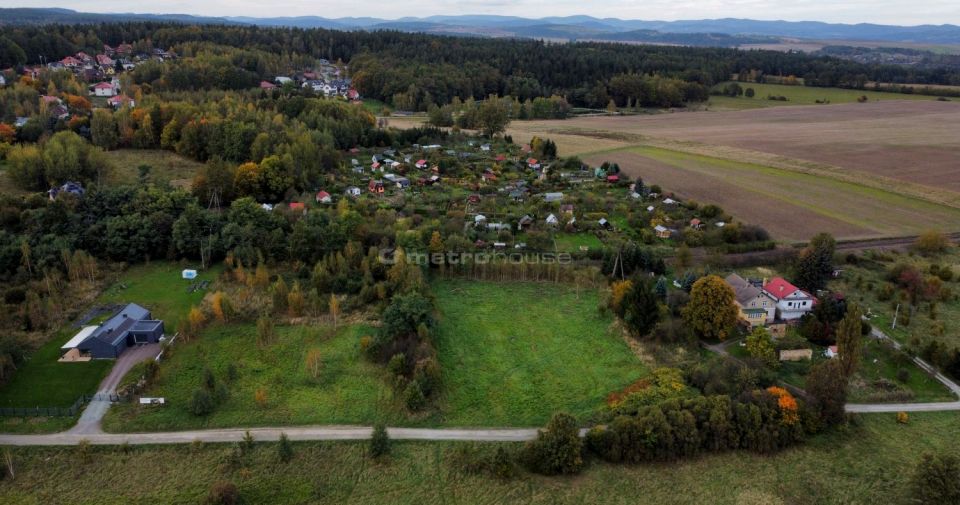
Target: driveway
[89, 422]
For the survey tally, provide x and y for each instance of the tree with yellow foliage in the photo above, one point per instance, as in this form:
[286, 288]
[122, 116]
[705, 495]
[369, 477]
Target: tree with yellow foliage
[712, 311]
[295, 301]
[334, 309]
[314, 363]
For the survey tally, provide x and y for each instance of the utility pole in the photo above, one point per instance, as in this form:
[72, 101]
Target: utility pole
[895, 314]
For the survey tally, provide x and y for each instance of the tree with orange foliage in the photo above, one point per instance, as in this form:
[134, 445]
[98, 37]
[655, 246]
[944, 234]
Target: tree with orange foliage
[78, 102]
[789, 410]
[217, 302]
[7, 134]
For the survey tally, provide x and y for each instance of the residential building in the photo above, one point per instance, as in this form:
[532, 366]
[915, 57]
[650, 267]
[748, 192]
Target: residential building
[104, 89]
[755, 306]
[131, 326]
[792, 302]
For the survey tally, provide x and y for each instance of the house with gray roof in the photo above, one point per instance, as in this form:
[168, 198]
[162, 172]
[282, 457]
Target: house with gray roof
[130, 326]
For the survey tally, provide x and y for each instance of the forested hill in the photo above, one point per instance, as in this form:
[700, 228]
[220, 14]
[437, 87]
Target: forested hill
[419, 70]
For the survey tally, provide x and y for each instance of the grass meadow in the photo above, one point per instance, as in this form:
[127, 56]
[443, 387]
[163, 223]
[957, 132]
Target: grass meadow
[515, 353]
[165, 167]
[867, 463]
[350, 389]
[801, 95]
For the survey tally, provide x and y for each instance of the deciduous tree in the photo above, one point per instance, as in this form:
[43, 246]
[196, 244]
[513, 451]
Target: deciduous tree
[711, 312]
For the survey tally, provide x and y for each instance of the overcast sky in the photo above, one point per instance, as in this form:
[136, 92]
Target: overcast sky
[900, 12]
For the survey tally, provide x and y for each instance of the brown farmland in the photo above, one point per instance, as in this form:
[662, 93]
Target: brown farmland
[876, 169]
[913, 141]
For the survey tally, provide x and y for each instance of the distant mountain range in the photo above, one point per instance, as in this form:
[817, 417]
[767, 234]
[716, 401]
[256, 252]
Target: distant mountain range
[706, 32]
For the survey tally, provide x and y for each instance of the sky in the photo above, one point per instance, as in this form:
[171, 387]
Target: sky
[896, 12]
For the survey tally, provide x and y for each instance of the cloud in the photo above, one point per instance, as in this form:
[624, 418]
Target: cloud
[841, 11]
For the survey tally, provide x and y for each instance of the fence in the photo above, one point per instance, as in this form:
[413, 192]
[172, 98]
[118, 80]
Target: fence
[44, 411]
[61, 411]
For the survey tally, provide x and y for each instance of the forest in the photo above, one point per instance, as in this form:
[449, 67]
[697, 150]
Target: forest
[421, 70]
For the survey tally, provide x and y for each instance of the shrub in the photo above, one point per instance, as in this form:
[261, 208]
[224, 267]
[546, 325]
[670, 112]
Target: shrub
[260, 396]
[379, 441]
[201, 403]
[397, 364]
[903, 375]
[937, 479]
[557, 448]
[223, 493]
[413, 396]
[284, 448]
[903, 417]
[247, 443]
[84, 450]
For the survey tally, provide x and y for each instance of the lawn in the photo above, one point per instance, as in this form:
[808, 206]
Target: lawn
[158, 286]
[504, 368]
[572, 242]
[350, 390]
[867, 464]
[165, 167]
[801, 95]
[44, 382]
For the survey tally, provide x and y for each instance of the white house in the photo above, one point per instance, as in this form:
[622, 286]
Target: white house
[3, 80]
[104, 89]
[353, 191]
[792, 302]
[552, 220]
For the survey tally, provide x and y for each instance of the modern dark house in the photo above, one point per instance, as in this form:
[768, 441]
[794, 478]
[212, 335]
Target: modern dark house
[130, 326]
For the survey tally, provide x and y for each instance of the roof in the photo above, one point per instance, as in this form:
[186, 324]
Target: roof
[323, 194]
[660, 228]
[296, 206]
[79, 337]
[103, 85]
[115, 329]
[778, 287]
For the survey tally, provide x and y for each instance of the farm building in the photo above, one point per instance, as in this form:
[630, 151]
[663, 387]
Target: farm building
[129, 327]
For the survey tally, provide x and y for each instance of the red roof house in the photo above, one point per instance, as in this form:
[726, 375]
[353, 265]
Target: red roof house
[613, 178]
[297, 206]
[267, 85]
[324, 197]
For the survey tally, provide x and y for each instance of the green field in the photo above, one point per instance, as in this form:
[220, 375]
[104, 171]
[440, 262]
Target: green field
[865, 464]
[43, 382]
[572, 242]
[801, 95]
[514, 353]
[351, 390]
[165, 167]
